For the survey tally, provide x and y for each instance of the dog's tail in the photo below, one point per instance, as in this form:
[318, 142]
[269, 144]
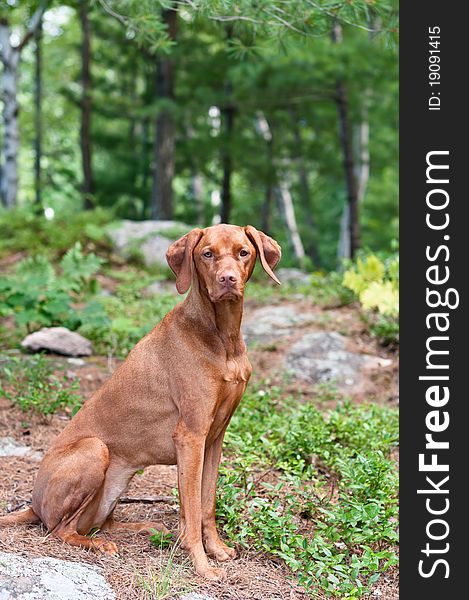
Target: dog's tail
[23, 517]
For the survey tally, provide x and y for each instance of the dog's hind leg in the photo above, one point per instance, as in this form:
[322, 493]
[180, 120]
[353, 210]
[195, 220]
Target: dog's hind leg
[23, 517]
[147, 526]
[68, 492]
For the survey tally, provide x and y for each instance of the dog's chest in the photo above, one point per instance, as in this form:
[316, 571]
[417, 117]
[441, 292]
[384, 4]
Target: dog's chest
[235, 377]
[238, 370]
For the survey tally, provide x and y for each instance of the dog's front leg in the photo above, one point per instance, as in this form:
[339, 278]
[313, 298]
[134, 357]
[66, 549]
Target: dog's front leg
[190, 449]
[214, 546]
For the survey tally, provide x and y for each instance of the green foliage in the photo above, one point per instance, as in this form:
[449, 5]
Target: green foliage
[32, 385]
[160, 539]
[376, 284]
[38, 295]
[24, 230]
[323, 289]
[330, 514]
[129, 315]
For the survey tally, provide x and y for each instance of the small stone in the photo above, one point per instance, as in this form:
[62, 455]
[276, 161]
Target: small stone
[59, 340]
[10, 447]
[76, 362]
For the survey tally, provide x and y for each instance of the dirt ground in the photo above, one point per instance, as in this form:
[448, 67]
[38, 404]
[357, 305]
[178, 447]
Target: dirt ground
[252, 576]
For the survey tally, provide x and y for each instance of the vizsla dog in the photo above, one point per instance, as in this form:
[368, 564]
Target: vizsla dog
[169, 403]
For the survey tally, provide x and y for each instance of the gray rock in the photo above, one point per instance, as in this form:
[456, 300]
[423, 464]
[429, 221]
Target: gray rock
[270, 323]
[59, 340]
[322, 357]
[148, 237]
[10, 447]
[50, 579]
[293, 276]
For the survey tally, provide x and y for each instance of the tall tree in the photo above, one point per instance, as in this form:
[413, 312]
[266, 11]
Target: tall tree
[227, 113]
[10, 56]
[305, 194]
[163, 149]
[38, 114]
[345, 136]
[86, 105]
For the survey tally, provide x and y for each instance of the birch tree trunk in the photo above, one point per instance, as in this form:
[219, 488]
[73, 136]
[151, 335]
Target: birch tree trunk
[263, 129]
[281, 190]
[286, 202]
[305, 194]
[10, 57]
[9, 87]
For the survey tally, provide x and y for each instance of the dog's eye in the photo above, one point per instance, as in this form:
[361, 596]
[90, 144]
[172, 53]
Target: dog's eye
[243, 253]
[208, 254]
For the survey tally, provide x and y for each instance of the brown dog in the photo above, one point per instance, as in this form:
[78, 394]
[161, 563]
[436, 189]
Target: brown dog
[169, 402]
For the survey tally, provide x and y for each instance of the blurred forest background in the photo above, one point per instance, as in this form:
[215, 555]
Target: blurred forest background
[278, 114]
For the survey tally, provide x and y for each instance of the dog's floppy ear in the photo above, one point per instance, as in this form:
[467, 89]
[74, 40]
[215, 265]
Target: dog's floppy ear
[179, 257]
[269, 251]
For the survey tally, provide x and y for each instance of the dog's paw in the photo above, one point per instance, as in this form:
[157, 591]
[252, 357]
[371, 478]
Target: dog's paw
[108, 548]
[223, 552]
[213, 574]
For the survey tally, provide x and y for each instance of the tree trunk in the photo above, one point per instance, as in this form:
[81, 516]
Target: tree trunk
[263, 128]
[9, 87]
[163, 149]
[197, 193]
[86, 107]
[266, 211]
[146, 140]
[227, 118]
[305, 195]
[362, 177]
[363, 141]
[10, 58]
[38, 115]
[286, 202]
[348, 157]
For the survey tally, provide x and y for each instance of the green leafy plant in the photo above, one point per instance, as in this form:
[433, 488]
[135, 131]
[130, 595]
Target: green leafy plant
[329, 508]
[38, 295]
[160, 539]
[32, 385]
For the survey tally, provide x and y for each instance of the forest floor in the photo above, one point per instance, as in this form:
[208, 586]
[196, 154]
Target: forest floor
[253, 575]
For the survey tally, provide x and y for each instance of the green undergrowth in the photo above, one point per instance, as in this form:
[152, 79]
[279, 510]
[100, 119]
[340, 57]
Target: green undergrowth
[316, 490]
[39, 294]
[123, 318]
[32, 384]
[322, 289]
[24, 230]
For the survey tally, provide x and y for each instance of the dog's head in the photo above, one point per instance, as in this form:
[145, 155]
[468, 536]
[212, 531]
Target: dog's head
[223, 257]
